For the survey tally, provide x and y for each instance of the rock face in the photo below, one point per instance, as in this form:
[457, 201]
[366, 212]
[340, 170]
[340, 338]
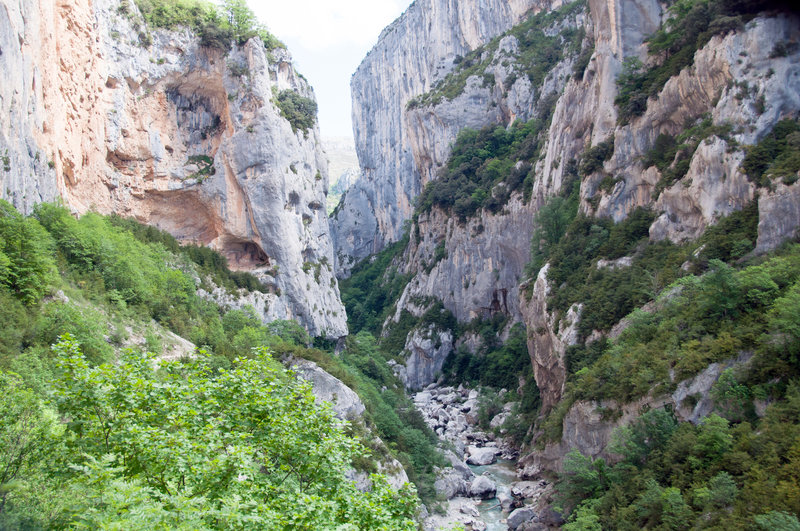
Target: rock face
[414, 52]
[177, 135]
[714, 184]
[427, 349]
[546, 344]
[346, 403]
[585, 428]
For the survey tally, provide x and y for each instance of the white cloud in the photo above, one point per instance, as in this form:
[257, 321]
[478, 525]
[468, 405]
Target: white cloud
[326, 23]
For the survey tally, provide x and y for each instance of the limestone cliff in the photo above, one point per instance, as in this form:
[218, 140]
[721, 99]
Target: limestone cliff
[175, 134]
[714, 184]
[412, 54]
[474, 266]
[407, 115]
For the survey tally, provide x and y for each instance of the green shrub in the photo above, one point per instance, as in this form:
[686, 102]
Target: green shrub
[282, 449]
[775, 155]
[299, 111]
[26, 266]
[593, 158]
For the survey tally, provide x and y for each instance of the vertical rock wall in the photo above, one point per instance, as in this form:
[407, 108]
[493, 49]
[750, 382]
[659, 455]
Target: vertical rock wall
[414, 52]
[177, 135]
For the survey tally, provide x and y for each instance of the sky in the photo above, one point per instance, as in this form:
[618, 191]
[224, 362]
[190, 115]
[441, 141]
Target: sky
[328, 39]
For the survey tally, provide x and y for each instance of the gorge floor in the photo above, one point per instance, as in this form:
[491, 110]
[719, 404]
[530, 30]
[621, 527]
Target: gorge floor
[482, 490]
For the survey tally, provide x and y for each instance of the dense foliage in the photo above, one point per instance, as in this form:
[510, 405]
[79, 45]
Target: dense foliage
[183, 445]
[217, 25]
[671, 475]
[608, 292]
[775, 155]
[111, 277]
[700, 320]
[372, 288]
[574, 244]
[690, 25]
[486, 166]
[299, 111]
[209, 263]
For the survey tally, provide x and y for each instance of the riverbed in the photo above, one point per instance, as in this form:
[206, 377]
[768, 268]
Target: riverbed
[479, 486]
[504, 474]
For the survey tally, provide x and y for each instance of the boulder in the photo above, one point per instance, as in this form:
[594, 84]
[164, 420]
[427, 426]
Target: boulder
[482, 487]
[481, 456]
[470, 510]
[519, 517]
[527, 489]
[459, 466]
[450, 484]
[506, 501]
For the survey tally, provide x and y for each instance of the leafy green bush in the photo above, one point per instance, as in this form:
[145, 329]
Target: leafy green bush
[299, 111]
[677, 475]
[247, 444]
[775, 155]
[718, 315]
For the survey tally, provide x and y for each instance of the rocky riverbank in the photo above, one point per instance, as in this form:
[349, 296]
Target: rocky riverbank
[482, 489]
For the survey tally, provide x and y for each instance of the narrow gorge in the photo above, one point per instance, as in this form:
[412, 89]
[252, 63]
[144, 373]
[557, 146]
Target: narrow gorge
[561, 289]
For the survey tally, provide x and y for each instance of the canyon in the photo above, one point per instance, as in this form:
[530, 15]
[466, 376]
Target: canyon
[538, 183]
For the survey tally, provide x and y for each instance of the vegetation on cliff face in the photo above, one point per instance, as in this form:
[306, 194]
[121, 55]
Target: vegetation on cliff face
[487, 166]
[691, 24]
[299, 111]
[95, 434]
[671, 475]
[713, 303]
[542, 44]
[775, 155]
[217, 25]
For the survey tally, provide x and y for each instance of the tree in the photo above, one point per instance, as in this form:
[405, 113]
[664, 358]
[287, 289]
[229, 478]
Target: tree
[242, 20]
[26, 266]
[582, 478]
[249, 445]
[650, 431]
[713, 439]
[28, 434]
